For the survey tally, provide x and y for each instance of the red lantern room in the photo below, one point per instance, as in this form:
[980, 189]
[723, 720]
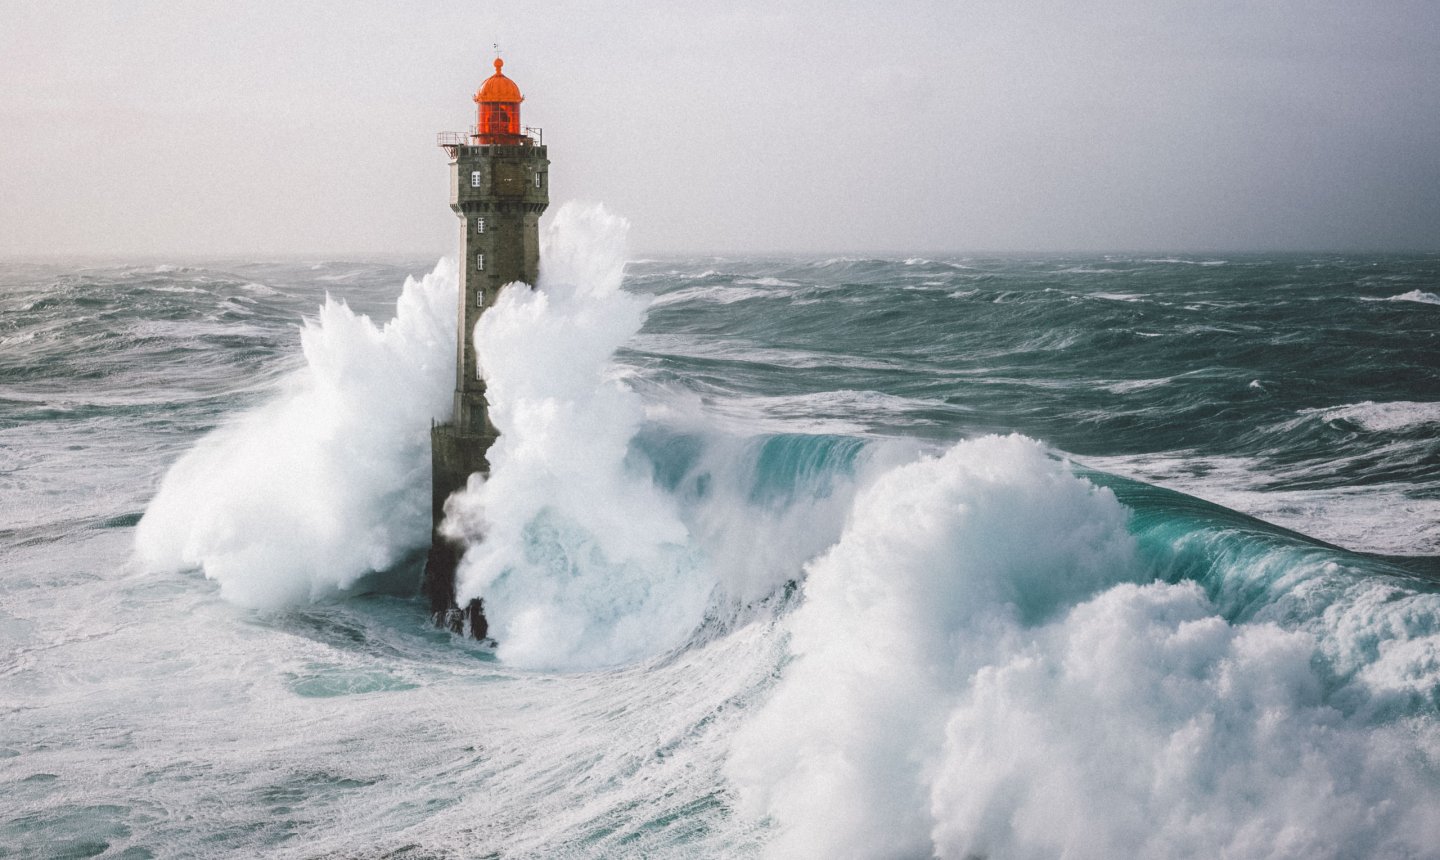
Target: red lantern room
[498, 117]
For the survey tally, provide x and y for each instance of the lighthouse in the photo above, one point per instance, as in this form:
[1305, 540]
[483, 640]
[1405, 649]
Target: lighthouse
[498, 188]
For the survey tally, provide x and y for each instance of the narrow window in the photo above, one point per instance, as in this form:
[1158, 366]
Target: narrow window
[537, 180]
[479, 298]
[479, 225]
[480, 262]
[475, 179]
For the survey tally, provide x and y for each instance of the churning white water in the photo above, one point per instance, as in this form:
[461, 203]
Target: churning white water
[713, 639]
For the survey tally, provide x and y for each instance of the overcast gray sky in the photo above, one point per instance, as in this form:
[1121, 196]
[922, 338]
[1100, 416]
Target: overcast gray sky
[153, 128]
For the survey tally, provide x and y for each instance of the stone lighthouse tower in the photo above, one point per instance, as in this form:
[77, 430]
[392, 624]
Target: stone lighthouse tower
[498, 188]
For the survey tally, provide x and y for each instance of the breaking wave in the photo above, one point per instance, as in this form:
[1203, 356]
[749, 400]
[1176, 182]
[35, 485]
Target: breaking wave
[986, 651]
[1417, 296]
[300, 498]
[998, 659]
[1382, 417]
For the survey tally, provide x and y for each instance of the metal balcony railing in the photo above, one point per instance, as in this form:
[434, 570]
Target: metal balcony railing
[451, 139]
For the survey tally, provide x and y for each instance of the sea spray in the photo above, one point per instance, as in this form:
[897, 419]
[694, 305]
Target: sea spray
[302, 496]
[581, 559]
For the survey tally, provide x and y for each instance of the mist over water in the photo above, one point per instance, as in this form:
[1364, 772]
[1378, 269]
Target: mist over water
[790, 558]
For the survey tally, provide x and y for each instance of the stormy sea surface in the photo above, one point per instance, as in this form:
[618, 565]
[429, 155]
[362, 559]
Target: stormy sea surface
[957, 556]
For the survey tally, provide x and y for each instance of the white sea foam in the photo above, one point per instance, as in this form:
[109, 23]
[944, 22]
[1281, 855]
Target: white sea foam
[717, 294]
[768, 282]
[1413, 296]
[1176, 260]
[1088, 270]
[1130, 385]
[328, 481]
[978, 671]
[1382, 417]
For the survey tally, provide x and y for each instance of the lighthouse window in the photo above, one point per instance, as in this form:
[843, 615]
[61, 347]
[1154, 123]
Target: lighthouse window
[474, 179]
[537, 180]
[480, 262]
[479, 225]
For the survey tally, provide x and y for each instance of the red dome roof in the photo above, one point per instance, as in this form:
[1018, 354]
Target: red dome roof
[498, 88]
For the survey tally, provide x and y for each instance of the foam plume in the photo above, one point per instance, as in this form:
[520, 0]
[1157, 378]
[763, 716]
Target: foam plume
[299, 498]
[582, 560]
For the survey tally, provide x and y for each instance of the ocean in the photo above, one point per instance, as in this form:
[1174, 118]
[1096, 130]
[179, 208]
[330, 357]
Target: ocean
[966, 556]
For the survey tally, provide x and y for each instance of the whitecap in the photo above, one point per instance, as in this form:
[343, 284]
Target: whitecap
[718, 294]
[304, 495]
[1416, 296]
[768, 282]
[1130, 385]
[1382, 417]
